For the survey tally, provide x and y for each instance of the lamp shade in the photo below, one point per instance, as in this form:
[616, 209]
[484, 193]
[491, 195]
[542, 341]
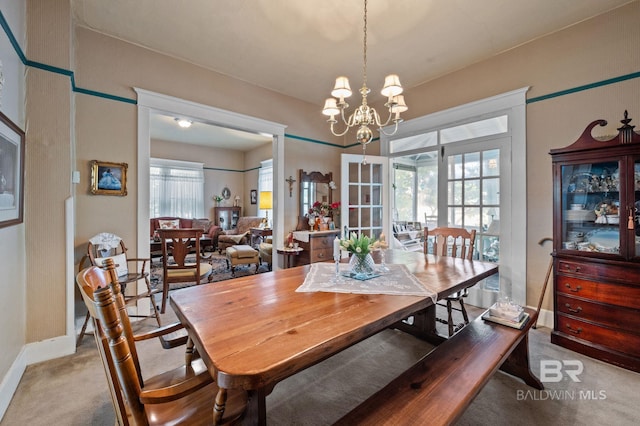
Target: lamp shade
[266, 200]
[341, 89]
[398, 104]
[330, 107]
[392, 86]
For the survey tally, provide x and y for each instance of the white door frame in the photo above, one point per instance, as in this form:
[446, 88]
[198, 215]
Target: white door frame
[514, 104]
[148, 101]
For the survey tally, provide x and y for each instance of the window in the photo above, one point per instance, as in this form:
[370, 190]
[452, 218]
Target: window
[176, 188]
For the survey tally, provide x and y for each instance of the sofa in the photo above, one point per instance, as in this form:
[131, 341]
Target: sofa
[240, 235]
[210, 230]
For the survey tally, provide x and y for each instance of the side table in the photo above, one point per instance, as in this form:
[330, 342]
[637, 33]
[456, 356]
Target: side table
[288, 255]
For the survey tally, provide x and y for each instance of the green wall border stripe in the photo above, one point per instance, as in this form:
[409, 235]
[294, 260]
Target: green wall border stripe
[302, 138]
[218, 169]
[585, 87]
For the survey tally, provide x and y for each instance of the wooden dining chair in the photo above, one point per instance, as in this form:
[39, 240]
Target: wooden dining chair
[454, 242]
[130, 270]
[176, 268]
[184, 395]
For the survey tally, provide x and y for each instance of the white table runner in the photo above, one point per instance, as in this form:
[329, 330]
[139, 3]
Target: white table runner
[397, 281]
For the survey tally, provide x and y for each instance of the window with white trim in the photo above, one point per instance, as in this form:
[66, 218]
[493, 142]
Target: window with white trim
[176, 188]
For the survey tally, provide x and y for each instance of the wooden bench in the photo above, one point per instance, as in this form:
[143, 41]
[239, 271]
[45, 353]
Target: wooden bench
[440, 386]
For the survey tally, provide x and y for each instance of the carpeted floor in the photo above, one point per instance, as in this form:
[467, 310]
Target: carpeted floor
[73, 391]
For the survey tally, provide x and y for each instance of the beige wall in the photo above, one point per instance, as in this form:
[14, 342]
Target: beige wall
[65, 131]
[48, 166]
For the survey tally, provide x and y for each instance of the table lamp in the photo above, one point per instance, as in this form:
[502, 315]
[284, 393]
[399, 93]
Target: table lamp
[266, 203]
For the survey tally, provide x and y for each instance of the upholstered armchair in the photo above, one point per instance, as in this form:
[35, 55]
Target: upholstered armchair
[240, 234]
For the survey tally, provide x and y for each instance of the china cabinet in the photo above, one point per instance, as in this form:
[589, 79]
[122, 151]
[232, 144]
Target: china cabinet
[226, 217]
[596, 237]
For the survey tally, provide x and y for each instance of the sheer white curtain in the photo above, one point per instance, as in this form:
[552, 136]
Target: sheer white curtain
[265, 183]
[176, 188]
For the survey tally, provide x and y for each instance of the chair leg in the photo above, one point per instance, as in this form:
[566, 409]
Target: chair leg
[464, 312]
[83, 329]
[165, 295]
[152, 300]
[449, 318]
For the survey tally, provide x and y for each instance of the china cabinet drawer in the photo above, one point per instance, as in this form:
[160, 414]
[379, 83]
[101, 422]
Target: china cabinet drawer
[618, 340]
[612, 316]
[613, 294]
[591, 271]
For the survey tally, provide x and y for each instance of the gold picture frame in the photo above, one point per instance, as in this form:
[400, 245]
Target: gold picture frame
[108, 178]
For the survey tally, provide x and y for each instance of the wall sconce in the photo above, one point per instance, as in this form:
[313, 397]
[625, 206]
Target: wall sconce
[290, 181]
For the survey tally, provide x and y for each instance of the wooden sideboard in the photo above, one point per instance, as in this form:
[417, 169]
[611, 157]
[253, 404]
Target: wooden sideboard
[317, 246]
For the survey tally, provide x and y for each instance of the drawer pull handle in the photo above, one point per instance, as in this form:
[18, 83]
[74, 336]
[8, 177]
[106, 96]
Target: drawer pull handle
[575, 311]
[320, 254]
[574, 330]
[575, 290]
[568, 267]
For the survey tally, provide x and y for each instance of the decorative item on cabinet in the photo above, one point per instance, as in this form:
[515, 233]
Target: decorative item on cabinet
[226, 217]
[596, 254]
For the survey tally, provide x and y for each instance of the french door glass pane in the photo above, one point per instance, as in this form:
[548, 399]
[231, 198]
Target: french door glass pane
[491, 163]
[472, 192]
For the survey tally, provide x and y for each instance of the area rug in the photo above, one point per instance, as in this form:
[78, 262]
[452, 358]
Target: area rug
[220, 271]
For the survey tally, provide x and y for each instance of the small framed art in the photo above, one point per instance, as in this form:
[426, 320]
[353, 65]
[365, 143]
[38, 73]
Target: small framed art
[108, 178]
[254, 196]
[11, 173]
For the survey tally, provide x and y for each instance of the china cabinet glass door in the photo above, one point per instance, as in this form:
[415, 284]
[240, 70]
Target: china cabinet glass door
[591, 207]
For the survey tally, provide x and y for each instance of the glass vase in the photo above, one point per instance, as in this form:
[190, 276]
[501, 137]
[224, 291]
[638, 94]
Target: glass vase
[361, 266]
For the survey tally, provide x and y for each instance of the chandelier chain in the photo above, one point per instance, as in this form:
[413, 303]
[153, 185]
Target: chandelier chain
[364, 54]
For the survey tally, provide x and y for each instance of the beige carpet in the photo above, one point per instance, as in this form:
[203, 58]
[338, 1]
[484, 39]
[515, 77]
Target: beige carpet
[73, 390]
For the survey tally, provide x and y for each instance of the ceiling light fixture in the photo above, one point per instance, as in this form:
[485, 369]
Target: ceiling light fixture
[184, 123]
[365, 116]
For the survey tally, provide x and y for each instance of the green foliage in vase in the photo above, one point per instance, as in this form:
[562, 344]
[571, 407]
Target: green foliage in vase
[359, 245]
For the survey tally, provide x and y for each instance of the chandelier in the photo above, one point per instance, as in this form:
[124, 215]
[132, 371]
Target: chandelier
[365, 116]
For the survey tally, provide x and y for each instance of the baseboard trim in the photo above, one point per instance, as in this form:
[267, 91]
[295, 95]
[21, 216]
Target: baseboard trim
[10, 382]
[545, 318]
[49, 349]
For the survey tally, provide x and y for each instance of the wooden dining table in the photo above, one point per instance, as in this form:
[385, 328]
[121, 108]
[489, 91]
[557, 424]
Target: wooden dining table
[252, 332]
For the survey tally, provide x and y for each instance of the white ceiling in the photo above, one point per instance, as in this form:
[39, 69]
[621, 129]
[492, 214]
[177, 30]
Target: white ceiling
[299, 47]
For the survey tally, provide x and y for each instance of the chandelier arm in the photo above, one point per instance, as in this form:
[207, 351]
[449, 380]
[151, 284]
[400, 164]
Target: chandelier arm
[344, 120]
[338, 134]
[391, 115]
[395, 129]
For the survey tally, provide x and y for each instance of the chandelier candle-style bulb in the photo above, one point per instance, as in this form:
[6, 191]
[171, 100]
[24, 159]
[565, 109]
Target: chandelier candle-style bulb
[364, 115]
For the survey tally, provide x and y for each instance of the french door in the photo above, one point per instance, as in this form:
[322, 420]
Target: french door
[470, 182]
[363, 194]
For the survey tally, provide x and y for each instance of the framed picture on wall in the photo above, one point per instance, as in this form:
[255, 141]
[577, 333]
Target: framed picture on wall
[254, 196]
[11, 173]
[108, 178]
